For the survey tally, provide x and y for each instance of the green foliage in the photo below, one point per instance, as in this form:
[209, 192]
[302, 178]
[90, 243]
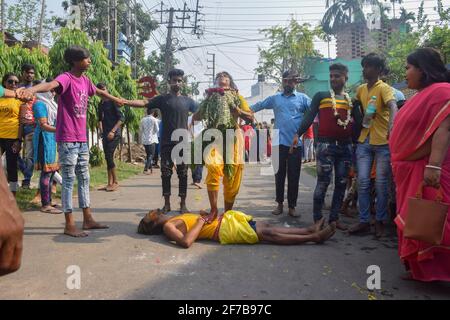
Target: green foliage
[439, 38]
[399, 47]
[99, 71]
[23, 20]
[12, 59]
[96, 157]
[127, 88]
[289, 48]
[402, 44]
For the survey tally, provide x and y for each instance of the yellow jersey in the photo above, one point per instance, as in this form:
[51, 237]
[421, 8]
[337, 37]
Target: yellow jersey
[190, 219]
[9, 118]
[378, 131]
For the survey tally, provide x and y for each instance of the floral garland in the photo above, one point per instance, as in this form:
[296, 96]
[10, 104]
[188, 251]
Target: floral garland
[349, 110]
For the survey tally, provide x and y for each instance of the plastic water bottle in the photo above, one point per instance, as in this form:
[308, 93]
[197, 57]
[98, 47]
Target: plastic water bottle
[370, 112]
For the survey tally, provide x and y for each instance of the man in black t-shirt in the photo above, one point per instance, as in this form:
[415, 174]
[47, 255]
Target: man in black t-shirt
[175, 110]
[110, 120]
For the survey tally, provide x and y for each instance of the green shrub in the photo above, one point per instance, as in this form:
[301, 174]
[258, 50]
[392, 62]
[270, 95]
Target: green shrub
[96, 157]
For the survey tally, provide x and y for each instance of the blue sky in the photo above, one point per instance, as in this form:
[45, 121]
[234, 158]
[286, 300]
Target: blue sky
[226, 21]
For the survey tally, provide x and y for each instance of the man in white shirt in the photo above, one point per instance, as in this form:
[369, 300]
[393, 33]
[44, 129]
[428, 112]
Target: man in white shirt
[148, 133]
[197, 169]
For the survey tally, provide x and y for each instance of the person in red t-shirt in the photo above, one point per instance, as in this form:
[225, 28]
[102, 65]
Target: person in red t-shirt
[249, 133]
[308, 144]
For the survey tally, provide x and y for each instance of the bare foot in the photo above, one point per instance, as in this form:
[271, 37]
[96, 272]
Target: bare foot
[325, 234]
[197, 185]
[316, 227]
[166, 208]
[74, 232]
[92, 224]
[212, 215]
[183, 208]
[112, 187]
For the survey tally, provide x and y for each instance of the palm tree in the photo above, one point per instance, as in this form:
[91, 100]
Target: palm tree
[342, 12]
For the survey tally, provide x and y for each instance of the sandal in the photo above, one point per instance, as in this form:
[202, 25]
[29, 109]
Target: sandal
[51, 211]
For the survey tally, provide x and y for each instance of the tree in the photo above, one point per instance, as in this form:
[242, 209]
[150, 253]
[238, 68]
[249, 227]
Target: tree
[94, 13]
[289, 48]
[12, 59]
[400, 45]
[128, 90]
[439, 38]
[100, 70]
[23, 20]
[342, 12]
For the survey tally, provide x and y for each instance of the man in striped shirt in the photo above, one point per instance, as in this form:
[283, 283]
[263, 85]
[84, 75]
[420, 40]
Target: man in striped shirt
[334, 141]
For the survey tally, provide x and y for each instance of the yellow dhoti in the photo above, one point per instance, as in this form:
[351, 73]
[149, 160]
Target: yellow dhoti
[214, 163]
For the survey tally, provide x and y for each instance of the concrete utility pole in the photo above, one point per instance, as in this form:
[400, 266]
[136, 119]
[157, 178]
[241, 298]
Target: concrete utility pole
[171, 24]
[41, 23]
[168, 54]
[2, 8]
[113, 30]
[213, 68]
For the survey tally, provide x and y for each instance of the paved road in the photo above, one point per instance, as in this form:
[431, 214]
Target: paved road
[121, 264]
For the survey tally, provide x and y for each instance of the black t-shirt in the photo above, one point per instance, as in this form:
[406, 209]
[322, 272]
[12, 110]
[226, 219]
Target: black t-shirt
[175, 112]
[109, 113]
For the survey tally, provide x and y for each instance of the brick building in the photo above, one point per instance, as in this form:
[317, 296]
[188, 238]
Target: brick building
[356, 40]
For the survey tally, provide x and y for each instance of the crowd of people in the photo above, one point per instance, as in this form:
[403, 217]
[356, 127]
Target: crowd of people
[365, 137]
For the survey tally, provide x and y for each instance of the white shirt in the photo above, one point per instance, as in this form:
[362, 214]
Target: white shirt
[196, 129]
[148, 130]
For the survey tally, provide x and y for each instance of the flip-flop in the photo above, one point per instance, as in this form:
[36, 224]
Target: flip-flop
[51, 211]
[97, 227]
[102, 189]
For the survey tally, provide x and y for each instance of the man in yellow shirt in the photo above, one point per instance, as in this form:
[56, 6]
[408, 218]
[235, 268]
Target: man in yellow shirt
[373, 144]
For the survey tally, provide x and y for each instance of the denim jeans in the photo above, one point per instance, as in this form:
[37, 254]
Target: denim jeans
[150, 151]
[365, 154]
[197, 173]
[329, 156]
[74, 161]
[26, 165]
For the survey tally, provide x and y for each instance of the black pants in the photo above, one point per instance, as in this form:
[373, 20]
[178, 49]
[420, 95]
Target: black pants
[150, 151]
[167, 164]
[11, 158]
[289, 164]
[109, 147]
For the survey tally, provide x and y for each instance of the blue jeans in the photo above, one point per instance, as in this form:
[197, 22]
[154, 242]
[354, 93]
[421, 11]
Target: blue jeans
[365, 154]
[26, 165]
[197, 173]
[329, 156]
[74, 161]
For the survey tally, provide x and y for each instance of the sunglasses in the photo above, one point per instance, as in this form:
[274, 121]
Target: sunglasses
[11, 81]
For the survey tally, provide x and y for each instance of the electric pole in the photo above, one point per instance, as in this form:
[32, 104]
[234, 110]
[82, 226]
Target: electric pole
[171, 24]
[213, 68]
[113, 30]
[168, 53]
[41, 23]
[2, 26]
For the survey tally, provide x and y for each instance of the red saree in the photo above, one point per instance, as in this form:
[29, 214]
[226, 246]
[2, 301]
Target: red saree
[414, 125]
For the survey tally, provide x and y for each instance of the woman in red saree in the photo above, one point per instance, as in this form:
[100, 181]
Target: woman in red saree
[420, 152]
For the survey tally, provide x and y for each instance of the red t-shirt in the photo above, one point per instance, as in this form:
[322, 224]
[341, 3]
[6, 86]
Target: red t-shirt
[309, 134]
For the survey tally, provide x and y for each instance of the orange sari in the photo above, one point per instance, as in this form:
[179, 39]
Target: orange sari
[414, 125]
